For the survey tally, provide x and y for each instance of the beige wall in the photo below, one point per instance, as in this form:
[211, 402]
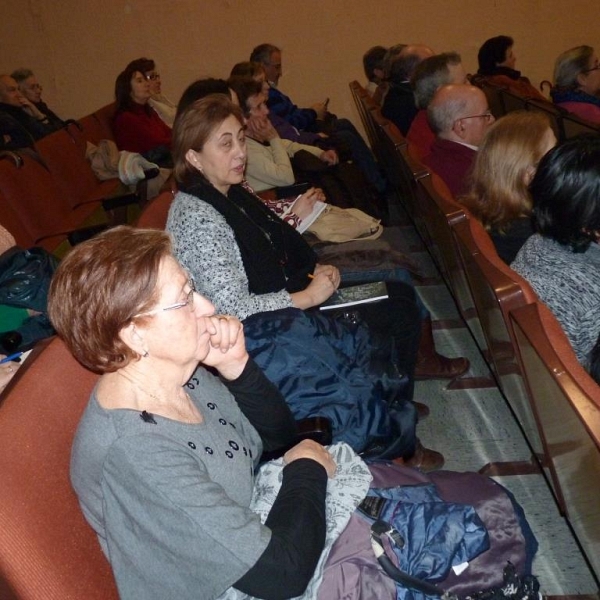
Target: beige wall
[77, 48]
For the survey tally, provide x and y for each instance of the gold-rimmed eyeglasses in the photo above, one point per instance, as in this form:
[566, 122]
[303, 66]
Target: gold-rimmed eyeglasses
[189, 301]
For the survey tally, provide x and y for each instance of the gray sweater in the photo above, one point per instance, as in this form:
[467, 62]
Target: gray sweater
[569, 284]
[169, 501]
[205, 245]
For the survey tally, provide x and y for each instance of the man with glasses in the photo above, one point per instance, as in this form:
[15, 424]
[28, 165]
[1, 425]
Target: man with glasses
[32, 91]
[459, 116]
[341, 132]
[21, 123]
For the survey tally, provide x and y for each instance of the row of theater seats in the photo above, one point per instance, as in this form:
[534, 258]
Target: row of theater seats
[47, 550]
[565, 124]
[555, 401]
[49, 192]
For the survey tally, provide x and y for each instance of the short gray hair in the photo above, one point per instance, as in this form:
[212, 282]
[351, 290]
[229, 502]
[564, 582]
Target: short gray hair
[262, 53]
[442, 115]
[570, 64]
[21, 74]
[431, 74]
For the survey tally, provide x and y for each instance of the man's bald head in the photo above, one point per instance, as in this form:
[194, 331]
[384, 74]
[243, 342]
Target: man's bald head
[460, 113]
[410, 56]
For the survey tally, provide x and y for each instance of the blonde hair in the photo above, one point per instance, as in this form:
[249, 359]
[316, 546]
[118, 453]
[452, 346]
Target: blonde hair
[498, 191]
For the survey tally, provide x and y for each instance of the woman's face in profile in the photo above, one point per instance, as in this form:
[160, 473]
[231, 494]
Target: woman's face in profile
[223, 158]
[589, 80]
[140, 88]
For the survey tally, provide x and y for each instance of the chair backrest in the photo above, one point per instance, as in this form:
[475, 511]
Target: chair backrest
[94, 129]
[492, 93]
[567, 403]
[496, 290]
[105, 116]
[438, 212]
[11, 222]
[64, 152]
[512, 101]
[47, 550]
[154, 214]
[553, 112]
[574, 126]
[37, 201]
[358, 95]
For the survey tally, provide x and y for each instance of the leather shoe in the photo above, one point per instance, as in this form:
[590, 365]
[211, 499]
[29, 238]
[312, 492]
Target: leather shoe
[422, 410]
[425, 460]
[440, 367]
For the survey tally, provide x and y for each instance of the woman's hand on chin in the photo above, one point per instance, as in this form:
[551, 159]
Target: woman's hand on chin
[227, 351]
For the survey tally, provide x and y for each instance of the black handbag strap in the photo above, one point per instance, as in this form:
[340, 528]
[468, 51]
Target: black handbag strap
[379, 529]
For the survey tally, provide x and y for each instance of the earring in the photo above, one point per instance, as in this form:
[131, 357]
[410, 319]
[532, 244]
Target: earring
[146, 354]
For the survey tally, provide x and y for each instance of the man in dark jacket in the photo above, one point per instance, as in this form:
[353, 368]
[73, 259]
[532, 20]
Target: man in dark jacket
[20, 119]
[32, 91]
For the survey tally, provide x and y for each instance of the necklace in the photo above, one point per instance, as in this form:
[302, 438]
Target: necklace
[188, 416]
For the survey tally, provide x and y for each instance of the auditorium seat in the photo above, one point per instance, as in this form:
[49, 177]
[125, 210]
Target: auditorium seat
[567, 404]
[496, 290]
[574, 126]
[47, 550]
[105, 116]
[154, 214]
[439, 212]
[553, 112]
[37, 201]
[360, 95]
[64, 153]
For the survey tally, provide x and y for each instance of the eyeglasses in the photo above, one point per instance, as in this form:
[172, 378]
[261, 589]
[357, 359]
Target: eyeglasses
[152, 76]
[188, 302]
[594, 68]
[488, 116]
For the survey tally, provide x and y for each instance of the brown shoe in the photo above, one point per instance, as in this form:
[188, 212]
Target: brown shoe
[430, 364]
[437, 366]
[425, 460]
[422, 410]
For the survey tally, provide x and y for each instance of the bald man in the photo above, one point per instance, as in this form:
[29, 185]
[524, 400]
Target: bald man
[429, 76]
[399, 103]
[459, 116]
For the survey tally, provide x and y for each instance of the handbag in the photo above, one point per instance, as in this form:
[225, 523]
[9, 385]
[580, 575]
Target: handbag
[25, 277]
[338, 225]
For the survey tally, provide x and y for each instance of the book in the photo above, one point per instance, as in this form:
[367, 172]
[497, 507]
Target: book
[356, 294]
[318, 208]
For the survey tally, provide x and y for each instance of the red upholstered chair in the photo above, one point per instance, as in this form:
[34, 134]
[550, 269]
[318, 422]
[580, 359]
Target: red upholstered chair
[64, 154]
[37, 201]
[105, 116]
[47, 550]
[154, 215]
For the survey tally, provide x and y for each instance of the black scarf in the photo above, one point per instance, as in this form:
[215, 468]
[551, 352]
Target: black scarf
[274, 254]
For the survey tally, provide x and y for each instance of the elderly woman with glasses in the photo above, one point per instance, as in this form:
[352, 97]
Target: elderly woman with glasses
[136, 125]
[577, 83]
[164, 456]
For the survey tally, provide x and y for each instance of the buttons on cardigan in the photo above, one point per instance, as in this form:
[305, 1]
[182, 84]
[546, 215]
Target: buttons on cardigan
[233, 445]
[228, 453]
[192, 445]
[223, 421]
[209, 450]
[211, 405]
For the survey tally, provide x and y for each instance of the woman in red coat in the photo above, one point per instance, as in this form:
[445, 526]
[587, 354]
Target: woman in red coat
[136, 125]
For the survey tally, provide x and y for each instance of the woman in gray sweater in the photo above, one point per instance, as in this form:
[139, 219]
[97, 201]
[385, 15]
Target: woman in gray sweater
[562, 260]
